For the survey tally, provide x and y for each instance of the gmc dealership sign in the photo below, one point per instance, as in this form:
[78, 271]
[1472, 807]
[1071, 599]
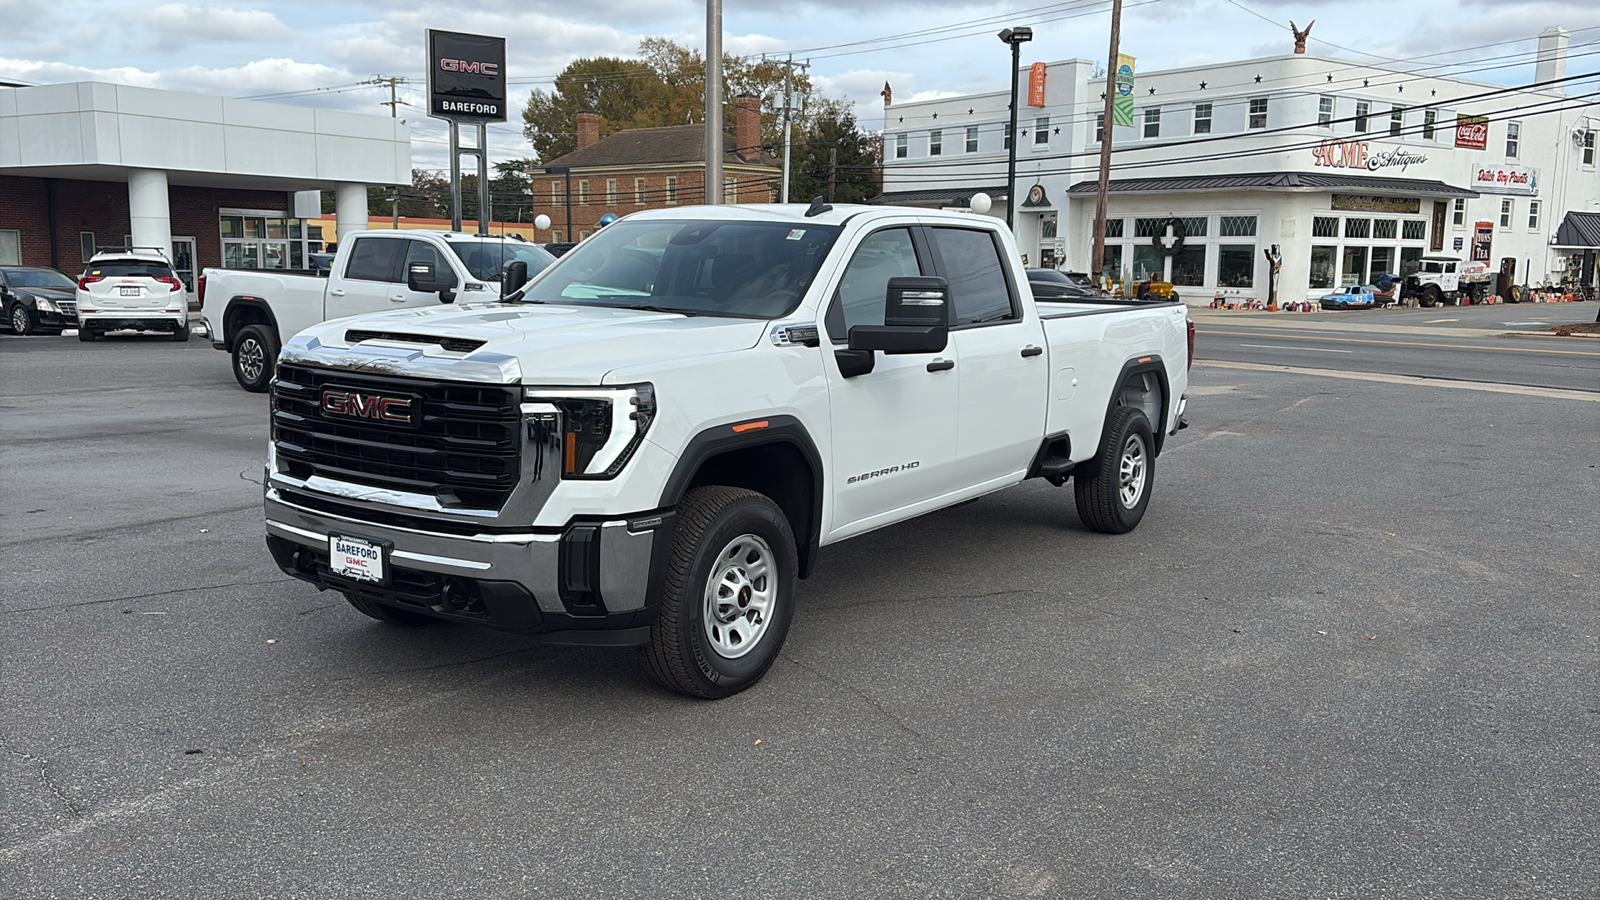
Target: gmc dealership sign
[466, 77]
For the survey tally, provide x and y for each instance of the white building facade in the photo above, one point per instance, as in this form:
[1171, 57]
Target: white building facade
[1352, 171]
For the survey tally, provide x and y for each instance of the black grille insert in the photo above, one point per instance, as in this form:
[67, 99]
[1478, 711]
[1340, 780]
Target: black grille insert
[456, 345]
[463, 447]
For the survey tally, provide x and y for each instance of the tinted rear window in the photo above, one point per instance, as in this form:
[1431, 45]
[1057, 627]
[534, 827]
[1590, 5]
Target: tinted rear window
[129, 268]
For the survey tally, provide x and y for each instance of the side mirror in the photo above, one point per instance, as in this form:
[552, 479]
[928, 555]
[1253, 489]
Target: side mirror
[513, 277]
[424, 279]
[916, 318]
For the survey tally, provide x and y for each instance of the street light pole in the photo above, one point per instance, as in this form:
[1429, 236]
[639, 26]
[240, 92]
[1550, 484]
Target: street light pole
[1016, 37]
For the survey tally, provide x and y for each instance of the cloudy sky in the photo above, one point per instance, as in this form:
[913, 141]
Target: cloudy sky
[315, 53]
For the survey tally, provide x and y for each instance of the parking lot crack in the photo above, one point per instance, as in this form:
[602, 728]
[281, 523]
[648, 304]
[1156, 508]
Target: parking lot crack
[871, 701]
[45, 779]
[168, 593]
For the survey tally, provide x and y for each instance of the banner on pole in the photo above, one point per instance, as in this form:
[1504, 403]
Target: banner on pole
[1122, 103]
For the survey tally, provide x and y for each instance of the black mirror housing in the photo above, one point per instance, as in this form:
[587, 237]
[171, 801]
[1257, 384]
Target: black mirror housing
[422, 278]
[916, 318]
[513, 277]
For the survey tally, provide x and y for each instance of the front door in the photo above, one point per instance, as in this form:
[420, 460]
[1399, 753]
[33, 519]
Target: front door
[183, 262]
[894, 428]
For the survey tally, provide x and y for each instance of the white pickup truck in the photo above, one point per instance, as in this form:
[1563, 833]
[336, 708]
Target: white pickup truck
[649, 443]
[249, 312]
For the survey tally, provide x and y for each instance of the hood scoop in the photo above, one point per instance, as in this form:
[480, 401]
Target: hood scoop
[455, 345]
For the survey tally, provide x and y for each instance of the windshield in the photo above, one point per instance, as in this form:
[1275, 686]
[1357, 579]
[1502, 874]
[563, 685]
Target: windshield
[757, 270]
[486, 259]
[44, 278]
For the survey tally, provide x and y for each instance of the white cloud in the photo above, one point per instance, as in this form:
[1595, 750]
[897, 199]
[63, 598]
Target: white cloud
[179, 24]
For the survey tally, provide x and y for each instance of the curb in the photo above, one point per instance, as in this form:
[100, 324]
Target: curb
[1548, 334]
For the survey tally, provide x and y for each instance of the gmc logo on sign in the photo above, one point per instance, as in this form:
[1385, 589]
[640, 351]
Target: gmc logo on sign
[471, 68]
[367, 406]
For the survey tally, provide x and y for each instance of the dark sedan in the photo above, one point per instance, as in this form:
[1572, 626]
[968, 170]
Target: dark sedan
[1050, 284]
[38, 300]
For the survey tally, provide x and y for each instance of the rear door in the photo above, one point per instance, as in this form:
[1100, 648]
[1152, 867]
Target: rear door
[1004, 376]
[370, 275]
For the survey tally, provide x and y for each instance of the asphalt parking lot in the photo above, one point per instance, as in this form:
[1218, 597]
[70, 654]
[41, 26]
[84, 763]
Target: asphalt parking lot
[1352, 651]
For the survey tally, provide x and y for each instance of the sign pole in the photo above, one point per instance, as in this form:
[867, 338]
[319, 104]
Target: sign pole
[455, 175]
[483, 178]
[1105, 145]
[713, 101]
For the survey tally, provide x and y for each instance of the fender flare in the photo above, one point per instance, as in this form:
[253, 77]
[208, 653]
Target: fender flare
[720, 439]
[245, 301]
[1140, 365]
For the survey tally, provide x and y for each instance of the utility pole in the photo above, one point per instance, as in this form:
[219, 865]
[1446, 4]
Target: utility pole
[833, 169]
[788, 117]
[1105, 145]
[714, 148]
[394, 103]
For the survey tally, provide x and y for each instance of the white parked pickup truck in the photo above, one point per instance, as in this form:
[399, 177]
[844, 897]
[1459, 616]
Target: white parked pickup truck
[249, 312]
[650, 442]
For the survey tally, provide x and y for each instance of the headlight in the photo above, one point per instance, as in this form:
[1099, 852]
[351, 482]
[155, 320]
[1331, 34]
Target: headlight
[594, 430]
[44, 305]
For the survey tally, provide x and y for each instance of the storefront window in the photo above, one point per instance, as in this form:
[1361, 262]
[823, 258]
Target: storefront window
[1238, 226]
[1143, 228]
[1325, 227]
[1147, 261]
[1236, 265]
[1354, 266]
[1357, 228]
[1322, 267]
[1189, 265]
[1414, 230]
[232, 227]
[1114, 228]
[1382, 264]
[1113, 262]
[1384, 229]
[1194, 226]
[1410, 260]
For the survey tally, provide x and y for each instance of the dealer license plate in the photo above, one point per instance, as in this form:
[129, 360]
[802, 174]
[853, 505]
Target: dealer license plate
[356, 559]
[128, 291]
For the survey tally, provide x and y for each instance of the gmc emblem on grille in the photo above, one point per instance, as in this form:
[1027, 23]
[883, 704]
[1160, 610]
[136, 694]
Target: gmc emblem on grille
[367, 406]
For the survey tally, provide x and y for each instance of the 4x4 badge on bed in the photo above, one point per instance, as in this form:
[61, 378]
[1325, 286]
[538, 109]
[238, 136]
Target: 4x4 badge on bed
[367, 406]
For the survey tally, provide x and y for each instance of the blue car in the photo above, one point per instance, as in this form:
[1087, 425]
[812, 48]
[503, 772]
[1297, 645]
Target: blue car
[1355, 297]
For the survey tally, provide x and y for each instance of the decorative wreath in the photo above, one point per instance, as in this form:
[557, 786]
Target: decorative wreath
[1178, 234]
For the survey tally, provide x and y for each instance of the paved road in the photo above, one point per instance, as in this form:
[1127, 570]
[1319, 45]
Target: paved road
[1469, 343]
[1353, 651]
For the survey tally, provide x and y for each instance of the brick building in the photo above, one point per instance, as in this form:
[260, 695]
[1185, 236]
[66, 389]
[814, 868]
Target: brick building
[213, 181]
[651, 168]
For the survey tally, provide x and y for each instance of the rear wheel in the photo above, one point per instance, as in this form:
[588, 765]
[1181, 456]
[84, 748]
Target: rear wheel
[390, 614]
[181, 333]
[1114, 498]
[729, 593]
[255, 353]
[22, 320]
[85, 333]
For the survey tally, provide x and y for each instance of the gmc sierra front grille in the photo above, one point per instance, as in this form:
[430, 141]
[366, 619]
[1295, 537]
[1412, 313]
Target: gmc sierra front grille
[456, 442]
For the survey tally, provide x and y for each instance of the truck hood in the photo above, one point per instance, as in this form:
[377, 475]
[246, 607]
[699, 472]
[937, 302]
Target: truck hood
[526, 343]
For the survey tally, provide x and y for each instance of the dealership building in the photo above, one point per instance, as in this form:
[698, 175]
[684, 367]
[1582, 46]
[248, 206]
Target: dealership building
[211, 180]
[1349, 170]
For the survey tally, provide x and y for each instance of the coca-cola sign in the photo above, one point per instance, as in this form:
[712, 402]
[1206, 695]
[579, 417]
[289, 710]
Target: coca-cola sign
[1472, 132]
[1360, 155]
[1505, 180]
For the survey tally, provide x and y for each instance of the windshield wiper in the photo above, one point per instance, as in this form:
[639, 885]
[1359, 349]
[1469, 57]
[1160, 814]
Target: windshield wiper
[646, 307]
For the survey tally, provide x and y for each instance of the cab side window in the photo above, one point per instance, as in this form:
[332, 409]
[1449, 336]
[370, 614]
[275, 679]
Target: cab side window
[376, 259]
[979, 291]
[422, 251]
[859, 300]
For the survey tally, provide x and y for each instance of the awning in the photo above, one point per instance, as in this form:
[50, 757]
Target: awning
[941, 197]
[1276, 181]
[1579, 229]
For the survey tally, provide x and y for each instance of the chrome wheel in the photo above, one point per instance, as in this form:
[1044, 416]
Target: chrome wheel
[739, 596]
[252, 359]
[1131, 471]
[19, 320]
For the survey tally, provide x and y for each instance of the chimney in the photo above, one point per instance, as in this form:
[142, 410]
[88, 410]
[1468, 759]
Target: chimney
[747, 127]
[1552, 57]
[588, 129]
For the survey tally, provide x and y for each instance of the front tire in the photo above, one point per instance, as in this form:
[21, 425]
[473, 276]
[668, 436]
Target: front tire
[729, 593]
[1113, 500]
[255, 358]
[22, 320]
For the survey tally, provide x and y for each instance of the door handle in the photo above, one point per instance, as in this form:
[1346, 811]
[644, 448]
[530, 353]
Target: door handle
[336, 292]
[398, 298]
[940, 365]
[1031, 351]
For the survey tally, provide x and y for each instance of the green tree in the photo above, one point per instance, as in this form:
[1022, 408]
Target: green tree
[858, 176]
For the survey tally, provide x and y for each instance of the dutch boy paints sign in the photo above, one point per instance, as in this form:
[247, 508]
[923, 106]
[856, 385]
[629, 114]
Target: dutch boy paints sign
[1505, 180]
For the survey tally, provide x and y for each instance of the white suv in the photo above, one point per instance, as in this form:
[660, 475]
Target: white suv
[133, 288]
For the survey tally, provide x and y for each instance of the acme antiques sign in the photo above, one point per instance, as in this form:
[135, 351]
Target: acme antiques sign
[1359, 155]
